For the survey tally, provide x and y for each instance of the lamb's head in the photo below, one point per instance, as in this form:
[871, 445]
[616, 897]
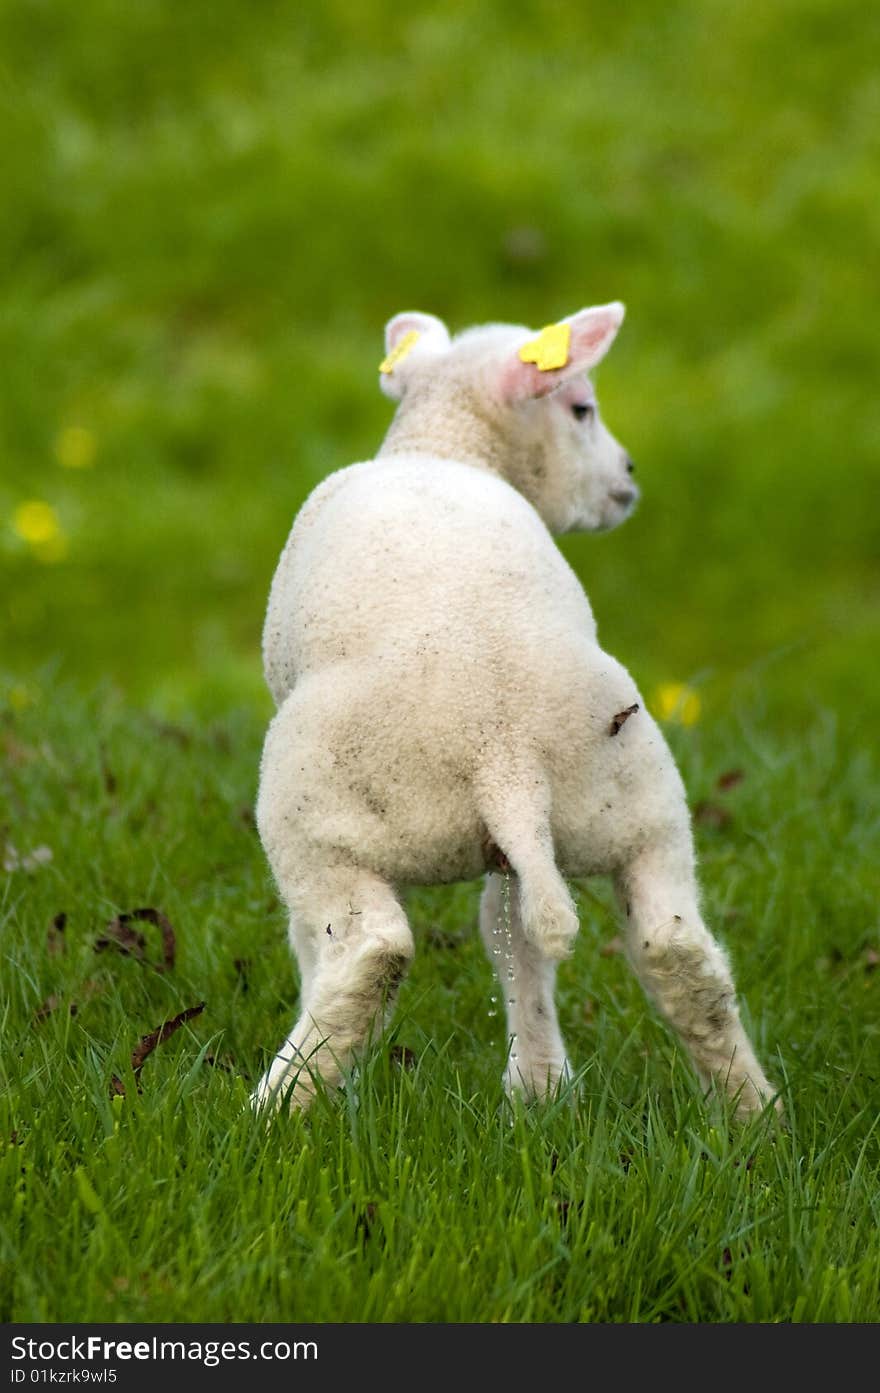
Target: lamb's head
[520, 403]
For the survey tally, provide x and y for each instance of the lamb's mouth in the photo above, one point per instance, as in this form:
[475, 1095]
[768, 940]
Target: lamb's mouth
[616, 512]
[626, 497]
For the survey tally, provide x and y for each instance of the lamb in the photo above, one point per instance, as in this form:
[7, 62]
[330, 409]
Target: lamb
[445, 712]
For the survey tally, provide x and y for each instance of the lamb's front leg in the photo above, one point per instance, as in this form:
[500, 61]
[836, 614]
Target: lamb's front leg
[536, 1060]
[686, 973]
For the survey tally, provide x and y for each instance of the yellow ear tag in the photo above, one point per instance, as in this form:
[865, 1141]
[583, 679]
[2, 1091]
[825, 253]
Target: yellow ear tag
[397, 355]
[550, 349]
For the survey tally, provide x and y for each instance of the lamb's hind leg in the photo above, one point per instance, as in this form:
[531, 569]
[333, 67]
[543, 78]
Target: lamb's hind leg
[686, 973]
[537, 1060]
[354, 944]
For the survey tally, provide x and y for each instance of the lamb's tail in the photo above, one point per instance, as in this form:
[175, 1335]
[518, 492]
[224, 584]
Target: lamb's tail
[519, 831]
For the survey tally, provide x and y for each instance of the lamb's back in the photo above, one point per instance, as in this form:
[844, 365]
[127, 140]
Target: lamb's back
[408, 560]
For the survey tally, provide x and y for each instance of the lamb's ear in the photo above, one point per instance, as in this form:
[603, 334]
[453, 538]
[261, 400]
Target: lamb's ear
[546, 360]
[410, 338]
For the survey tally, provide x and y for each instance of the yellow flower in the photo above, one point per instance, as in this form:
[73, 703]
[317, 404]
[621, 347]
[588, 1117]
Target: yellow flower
[21, 696]
[37, 523]
[75, 447]
[674, 701]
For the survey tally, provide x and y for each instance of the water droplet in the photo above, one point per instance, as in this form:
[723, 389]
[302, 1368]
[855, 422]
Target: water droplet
[502, 936]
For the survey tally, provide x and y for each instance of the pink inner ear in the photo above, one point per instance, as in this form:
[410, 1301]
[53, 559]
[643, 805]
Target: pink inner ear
[593, 331]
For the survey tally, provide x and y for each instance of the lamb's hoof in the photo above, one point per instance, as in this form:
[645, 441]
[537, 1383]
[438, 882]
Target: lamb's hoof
[266, 1098]
[536, 1085]
[280, 1091]
[753, 1099]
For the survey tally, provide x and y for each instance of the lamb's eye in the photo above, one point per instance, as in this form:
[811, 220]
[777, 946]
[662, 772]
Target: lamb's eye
[583, 410]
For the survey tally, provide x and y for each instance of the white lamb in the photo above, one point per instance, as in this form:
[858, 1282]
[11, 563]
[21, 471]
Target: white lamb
[445, 711]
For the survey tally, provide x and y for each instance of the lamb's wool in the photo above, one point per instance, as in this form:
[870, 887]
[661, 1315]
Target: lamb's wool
[444, 704]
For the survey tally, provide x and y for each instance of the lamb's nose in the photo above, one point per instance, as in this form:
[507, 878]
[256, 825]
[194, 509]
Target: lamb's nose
[624, 496]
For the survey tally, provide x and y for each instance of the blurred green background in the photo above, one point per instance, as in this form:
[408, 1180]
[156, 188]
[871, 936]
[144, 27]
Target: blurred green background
[210, 210]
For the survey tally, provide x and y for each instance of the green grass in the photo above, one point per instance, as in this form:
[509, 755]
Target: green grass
[209, 212]
[417, 1194]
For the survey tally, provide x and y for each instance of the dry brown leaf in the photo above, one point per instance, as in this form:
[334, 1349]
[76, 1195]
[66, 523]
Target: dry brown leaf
[118, 934]
[109, 778]
[169, 731]
[90, 987]
[148, 1043]
[55, 942]
[567, 1209]
[710, 814]
[52, 1002]
[225, 1062]
[621, 718]
[729, 779]
[439, 938]
[365, 1220]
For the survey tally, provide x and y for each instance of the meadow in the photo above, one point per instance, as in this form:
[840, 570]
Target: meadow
[209, 213]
